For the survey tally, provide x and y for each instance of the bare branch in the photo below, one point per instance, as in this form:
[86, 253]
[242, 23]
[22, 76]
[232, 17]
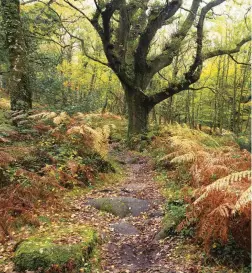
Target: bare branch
[203, 87]
[79, 10]
[237, 61]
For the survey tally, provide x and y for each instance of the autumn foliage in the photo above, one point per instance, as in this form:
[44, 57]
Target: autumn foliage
[220, 174]
[68, 153]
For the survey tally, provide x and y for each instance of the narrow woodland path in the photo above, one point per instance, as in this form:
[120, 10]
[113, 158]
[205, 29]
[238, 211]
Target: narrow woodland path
[129, 244]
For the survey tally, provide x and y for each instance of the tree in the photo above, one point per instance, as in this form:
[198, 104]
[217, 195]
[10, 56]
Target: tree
[18, 76]
[127, 30]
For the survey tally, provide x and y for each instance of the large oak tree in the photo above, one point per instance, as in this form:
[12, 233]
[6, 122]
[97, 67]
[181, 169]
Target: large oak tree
[128, 30]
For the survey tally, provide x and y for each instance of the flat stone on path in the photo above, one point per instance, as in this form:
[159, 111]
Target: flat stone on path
[124, 228]
[120, 206]
[135, 187]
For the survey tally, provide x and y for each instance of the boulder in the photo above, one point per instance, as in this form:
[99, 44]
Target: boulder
[56, 249]
[120, 206]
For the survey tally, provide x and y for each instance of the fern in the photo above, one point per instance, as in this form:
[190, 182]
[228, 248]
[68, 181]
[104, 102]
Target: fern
[189, 157]
[244, 200]
[223, 184]
[43, 116]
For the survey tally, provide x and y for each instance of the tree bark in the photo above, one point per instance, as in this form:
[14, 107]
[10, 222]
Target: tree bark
[18, 81]
[138, 111]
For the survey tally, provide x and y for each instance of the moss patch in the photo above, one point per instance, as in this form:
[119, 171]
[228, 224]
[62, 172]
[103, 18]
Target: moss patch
[67, 248]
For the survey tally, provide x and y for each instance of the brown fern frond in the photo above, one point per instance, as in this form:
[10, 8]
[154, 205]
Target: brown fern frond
[223, 210]
[223, 184]
[244, 200]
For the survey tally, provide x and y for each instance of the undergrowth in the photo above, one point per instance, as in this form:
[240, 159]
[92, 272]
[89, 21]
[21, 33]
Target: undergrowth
[61, 154]
[211, 177]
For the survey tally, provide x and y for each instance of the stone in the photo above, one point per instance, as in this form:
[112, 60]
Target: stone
[121, 206]
[124, 228]
[57, 247]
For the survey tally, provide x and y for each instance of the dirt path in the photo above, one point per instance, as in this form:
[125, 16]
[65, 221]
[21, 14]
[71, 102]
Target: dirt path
[129, 244]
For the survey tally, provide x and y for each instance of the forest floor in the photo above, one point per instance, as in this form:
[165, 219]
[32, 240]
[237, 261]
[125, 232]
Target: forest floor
[127, 244]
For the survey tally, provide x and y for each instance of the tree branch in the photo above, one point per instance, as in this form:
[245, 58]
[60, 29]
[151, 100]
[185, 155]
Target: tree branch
[192, 75]
[151, 29]
[203, 87]
[79, 10]
[172, 48]
[194, 71]
[237, 61]
[28, 2]
[219, 52]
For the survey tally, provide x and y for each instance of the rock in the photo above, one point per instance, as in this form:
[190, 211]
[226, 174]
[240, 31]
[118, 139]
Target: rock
[120, 206]
[133, 160]
[56, 248]
[124, 228]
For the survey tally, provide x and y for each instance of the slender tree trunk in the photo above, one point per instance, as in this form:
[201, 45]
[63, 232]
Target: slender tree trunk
[18, 82]
[233, 115]
[239, 118]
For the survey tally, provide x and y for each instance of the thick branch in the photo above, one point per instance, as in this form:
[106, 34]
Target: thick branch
[172, 48]
[219, 52]
[198, 60]
[123, 31]
[151, 29]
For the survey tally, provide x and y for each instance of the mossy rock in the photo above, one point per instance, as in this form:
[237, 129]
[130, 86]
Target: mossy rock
[121, 206]
[64, 249]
